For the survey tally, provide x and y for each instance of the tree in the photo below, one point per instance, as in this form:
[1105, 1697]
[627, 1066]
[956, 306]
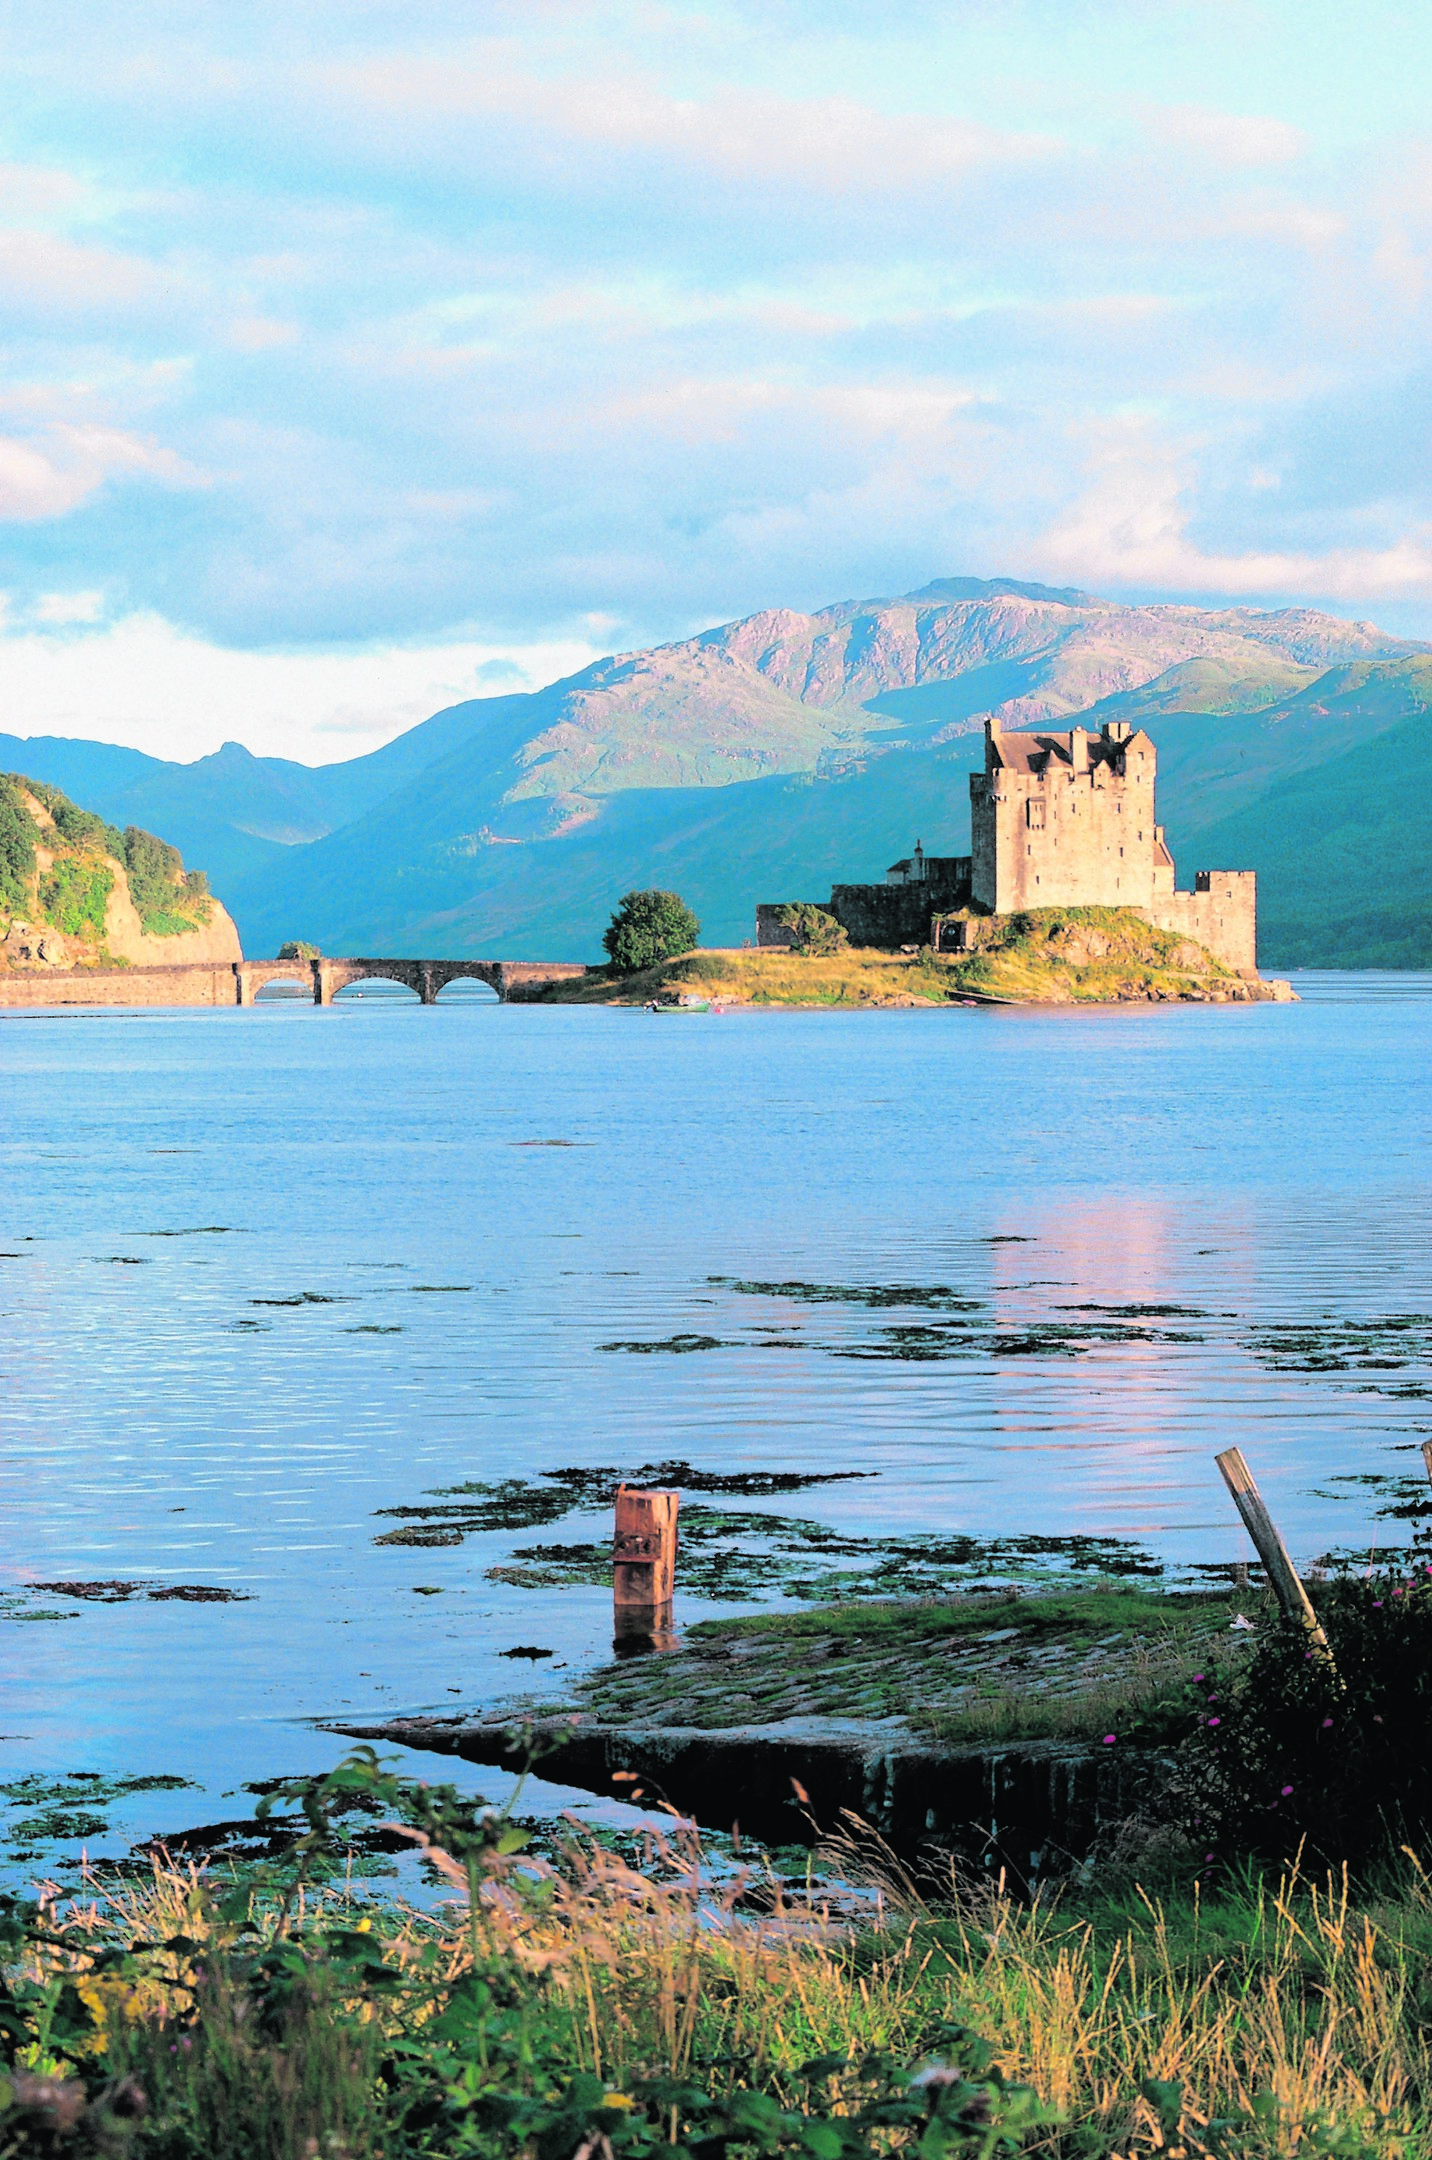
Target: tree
[297, 949]
[813, 929]
[648, 927]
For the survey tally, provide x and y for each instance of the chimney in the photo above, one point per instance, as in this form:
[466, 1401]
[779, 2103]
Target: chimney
[1078, 750]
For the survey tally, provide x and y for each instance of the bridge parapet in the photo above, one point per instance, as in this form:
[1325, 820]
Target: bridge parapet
[238, 982]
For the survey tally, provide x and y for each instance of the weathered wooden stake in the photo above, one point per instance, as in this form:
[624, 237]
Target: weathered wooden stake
[644, 1557]
[1427, 1456]
[1271, 1550]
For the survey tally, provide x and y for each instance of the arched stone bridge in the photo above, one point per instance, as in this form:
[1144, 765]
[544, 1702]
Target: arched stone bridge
[513, 980]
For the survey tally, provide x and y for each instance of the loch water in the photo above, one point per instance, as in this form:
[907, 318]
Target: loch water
[268, 1274]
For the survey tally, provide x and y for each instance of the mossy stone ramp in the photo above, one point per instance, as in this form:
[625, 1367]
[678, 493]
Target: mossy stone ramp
[1014, 1730]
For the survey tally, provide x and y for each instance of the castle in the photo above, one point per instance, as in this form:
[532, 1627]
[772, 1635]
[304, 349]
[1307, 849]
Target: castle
[1056, 820]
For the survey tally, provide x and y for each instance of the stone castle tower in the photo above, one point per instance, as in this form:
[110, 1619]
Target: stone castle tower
[1068, 821]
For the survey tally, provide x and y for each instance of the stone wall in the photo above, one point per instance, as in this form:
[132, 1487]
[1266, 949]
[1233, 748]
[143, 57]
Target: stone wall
[1221, 912]
[893, 915]
[120, 986]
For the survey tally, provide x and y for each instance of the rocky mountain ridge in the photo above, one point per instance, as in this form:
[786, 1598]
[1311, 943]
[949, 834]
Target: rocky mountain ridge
[762, 758]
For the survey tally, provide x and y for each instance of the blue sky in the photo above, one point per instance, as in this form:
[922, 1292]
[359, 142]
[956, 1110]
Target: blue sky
[358, 358]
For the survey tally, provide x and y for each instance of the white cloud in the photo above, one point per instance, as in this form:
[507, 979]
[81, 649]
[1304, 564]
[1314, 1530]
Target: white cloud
[68, 607]
[144, 683]
[837, 143]
[1230, 138]
[54, 472]
[1130, 528]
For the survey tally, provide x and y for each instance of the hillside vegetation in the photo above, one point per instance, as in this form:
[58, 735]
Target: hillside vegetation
[75, 892]
[1046, 956]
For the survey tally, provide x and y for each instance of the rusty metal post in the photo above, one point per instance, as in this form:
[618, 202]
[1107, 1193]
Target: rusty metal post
[1273, 1553]
[644, 1562]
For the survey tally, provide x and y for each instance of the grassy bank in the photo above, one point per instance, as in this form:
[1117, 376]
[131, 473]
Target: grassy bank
[603, 2004]
[1050, 956]
[1064, 1665]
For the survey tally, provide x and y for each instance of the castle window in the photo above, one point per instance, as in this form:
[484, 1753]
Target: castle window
[1034, 811]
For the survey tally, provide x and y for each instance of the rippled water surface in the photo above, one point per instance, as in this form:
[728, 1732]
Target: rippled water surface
[266, 1274]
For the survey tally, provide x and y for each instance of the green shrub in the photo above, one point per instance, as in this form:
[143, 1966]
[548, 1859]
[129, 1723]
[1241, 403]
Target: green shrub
[81, 828]
[816, 930]
[17, 846]
[74, 894]
[649, 927]
[167, 902]
[1289, 1752]
[298, 949]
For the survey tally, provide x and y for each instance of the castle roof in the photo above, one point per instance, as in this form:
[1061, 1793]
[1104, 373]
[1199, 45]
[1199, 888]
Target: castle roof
[1035, 750]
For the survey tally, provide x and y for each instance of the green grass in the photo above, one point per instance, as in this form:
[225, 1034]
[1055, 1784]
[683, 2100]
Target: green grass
[1070, 1664]
[1040, 956]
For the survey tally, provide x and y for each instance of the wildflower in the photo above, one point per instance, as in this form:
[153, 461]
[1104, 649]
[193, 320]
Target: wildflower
[1215, 1721]
[1286, 1790]
[1199, 1678]
[1326, 1722]
[1110, 1738]
[1377, 1604]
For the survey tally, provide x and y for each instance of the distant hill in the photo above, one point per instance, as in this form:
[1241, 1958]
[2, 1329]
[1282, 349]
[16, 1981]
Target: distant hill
[760, 760]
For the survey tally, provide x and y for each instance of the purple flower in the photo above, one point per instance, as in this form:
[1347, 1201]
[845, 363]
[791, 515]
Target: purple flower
[1286, 1790]
[1110, 1738]
[1377, 1604]
[1326, 1722]
[1199, 1678]
[1215, 1721]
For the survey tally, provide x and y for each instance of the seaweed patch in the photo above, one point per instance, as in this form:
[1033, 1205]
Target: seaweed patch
[671, 1345]
[62, 1809]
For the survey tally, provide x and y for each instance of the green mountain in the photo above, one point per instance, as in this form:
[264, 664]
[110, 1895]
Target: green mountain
[763, 760]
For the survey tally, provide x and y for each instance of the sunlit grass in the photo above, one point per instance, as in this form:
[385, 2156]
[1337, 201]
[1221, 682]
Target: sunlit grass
[1291, 1998]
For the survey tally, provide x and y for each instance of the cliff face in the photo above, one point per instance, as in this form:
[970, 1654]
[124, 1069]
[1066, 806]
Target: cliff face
[126, 938]
[74, 892]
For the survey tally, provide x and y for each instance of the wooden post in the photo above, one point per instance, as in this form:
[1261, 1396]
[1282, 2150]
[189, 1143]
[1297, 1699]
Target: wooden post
[1271, 1550]
[644, 1556]
[1427, 1456]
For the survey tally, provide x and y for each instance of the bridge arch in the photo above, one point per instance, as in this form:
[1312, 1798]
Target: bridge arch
[392, 976]
[443, 972]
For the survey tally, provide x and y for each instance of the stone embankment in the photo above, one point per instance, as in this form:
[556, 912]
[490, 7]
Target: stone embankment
[1028, 1806]
[1011, 1730]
